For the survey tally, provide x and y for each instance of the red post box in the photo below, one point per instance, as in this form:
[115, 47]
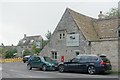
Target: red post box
[62, 58]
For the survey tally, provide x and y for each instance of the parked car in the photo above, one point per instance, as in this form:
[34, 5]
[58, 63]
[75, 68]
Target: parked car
[25, 58]
[44, 63]
[87, 63]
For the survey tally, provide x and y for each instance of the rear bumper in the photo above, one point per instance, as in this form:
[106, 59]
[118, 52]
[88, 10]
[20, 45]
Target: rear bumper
[104, 68]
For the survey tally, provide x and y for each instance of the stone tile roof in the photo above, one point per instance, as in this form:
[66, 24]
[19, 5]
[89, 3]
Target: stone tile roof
[29, 40]
[107, 28]
[95, 29]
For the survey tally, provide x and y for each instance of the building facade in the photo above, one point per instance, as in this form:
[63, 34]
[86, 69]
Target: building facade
[79, 34]
[27, 43]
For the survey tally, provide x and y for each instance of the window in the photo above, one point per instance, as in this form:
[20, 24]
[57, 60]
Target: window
[63, 35]
[36, 58]
[77, 53]
[60, 36]
[54, 55]
[119, 33]
[83, 58]
[92, 58]
[75, 60]
[47, 59]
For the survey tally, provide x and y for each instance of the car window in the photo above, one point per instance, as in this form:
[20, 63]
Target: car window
[105, 59]
[36, 58]
[83, 58]
[47, 59]
[92, 58]
[75, 60]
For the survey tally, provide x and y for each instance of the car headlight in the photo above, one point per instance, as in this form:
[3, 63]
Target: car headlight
[50, 64]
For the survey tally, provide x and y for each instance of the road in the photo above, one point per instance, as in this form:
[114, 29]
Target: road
[19, 70]
[0, 71]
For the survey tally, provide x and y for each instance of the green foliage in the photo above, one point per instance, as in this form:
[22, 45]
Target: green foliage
[26, 52]
[45, 42]
[10, 53]
[36, 50]
[112, 13]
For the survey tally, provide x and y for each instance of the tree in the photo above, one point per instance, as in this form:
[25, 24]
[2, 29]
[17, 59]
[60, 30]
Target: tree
[36, 50]
[10, 53]
[26, 52]
[45, 42]
[48, 35]
[112, 13]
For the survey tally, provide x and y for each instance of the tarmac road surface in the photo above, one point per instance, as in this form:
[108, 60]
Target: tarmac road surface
[19, 70]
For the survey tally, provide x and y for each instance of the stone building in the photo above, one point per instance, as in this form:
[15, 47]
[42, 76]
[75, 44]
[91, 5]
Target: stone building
[79, 34]
[27, 43]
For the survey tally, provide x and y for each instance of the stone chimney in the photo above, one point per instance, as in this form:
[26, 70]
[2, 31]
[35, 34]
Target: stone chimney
[24, 35]
[101, 15]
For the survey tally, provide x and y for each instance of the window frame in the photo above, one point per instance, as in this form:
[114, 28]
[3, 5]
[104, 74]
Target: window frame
[54, 55]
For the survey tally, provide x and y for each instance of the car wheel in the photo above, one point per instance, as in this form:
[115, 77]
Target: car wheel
[44, 67]
[29, 67]
[61, 68]
[91, 70]
[24, 61]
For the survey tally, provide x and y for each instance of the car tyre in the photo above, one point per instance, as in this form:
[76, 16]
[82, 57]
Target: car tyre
[61, 68]
[29, 67]
[91, 70]
[24, 61]
[44, 67]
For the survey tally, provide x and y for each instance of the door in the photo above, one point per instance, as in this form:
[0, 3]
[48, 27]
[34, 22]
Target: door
[83, 63]
[36, 62]
[73, 64]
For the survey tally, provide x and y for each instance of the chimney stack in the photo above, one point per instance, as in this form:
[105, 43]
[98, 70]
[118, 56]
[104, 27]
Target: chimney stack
[101, 16]
[24, 35]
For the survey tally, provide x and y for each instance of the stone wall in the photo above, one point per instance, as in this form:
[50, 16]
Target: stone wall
[66, 25]
[109, 48]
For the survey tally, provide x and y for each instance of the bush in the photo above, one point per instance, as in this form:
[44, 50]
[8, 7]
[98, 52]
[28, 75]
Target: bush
[10, 53]
[27, 52]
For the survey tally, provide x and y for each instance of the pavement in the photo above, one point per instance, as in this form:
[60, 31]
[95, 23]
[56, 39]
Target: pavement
[19, 70]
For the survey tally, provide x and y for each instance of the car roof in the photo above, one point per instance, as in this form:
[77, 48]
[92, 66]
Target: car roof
[27, 56]
[40, 56]
[86, 55]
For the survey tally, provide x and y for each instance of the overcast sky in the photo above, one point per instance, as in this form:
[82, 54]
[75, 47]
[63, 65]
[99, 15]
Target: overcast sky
[36, 18]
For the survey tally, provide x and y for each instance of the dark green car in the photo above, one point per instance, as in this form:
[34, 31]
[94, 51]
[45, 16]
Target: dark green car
[44, 63]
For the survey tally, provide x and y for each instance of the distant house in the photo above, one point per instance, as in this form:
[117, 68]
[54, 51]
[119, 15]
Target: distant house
[28, 41]
[79, 34]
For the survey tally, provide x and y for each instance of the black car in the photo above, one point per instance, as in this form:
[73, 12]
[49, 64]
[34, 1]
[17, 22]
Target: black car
[87, 63]
[25, 58]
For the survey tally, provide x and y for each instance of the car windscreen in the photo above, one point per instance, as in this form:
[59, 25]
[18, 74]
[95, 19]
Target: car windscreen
[105, 59]
[47, 59]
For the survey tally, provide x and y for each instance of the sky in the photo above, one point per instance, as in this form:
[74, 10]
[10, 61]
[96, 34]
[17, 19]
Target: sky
[19, 17]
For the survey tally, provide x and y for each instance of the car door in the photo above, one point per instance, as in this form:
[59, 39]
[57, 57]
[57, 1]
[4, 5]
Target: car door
[36, 62]
[73, 65]
[82, 63]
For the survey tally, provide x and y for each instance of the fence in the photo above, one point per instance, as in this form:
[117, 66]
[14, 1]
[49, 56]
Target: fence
[11, 60]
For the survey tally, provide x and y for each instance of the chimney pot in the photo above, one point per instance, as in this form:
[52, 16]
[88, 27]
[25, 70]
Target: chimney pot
[100, 12]
[101, 16]
[24, 35]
